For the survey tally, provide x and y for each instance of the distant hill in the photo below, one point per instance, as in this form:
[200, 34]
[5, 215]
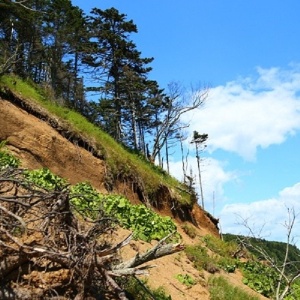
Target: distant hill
[275, 250]
[44, 135]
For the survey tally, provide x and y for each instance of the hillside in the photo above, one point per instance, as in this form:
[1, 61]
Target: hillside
[43, 140]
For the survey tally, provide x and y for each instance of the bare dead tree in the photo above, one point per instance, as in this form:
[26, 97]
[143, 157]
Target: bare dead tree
[175, 105]
[199, 141]
[286, 277]
[21, 3]
[48, 249]
[181, 137]
[7, 60]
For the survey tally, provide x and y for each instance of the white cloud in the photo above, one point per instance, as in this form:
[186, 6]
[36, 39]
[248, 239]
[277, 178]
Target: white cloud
[213, 177]
[241, 117]
[266, 218]
[249, 113]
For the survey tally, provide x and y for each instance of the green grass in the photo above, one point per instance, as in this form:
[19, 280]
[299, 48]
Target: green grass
[189, 230]
[221, 289]
[213, 254]
[6, 159]
[186, 279]
[200, 258]
[220, 247]
[119, 161]
[139, 289]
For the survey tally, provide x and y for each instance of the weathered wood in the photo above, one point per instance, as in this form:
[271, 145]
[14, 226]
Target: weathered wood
[38, 228]
[159, 250]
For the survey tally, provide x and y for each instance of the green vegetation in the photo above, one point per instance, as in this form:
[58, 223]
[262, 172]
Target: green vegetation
[200, 258]
[223, 252]
[25, 89]
[142, 291]
[257, 274]
[221, 289]
[186, 279]
[212, 254]
[220, 257]
[121, 163]
[44, 178]
[260, 278]
[145, 224]
[275, 250]
[220, 247]
[86, 201]
[6, 159]
[189, 230]
[294, 293]
[264, 279]
[260, 272]
[142, 221]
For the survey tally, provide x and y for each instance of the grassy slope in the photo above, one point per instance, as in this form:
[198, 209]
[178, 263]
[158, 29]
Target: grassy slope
[117, 157]
[276, 250]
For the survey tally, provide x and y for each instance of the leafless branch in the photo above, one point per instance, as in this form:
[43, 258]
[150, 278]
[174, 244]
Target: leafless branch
[285, 279]
[39, 232]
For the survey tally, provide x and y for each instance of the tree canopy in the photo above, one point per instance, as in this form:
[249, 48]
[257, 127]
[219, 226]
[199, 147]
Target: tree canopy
[90, 64]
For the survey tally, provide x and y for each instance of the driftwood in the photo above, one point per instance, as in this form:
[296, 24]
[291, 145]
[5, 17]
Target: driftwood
[159, 250]
[47, 250]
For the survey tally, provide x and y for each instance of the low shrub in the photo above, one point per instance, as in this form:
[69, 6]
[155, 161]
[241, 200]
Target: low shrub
[218, 246]
[139, 290]
[189, 230]
[7, 159]
[201, 260]
[145, 223]
[186, 279]
[221, 289]
[260, 278]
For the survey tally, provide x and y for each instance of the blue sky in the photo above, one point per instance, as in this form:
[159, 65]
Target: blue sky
[248, 52]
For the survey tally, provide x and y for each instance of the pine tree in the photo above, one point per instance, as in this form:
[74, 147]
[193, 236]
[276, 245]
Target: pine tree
[117, 64]
[38, 38]
[14, 38]
[61, 35]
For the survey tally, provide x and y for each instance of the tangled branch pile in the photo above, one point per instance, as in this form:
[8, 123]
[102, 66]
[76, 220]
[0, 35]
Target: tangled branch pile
[48, 250]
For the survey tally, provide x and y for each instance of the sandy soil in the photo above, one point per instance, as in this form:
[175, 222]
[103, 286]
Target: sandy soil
[39, 145]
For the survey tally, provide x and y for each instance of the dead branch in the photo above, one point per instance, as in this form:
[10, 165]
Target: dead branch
[41, 234]
[159, 250]
[285, 278]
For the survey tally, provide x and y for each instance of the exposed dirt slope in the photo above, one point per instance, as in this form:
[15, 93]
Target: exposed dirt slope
[41, 140]
[38, 144]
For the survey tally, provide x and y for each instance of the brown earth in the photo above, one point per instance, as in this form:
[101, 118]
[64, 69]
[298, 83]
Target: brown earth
[38, 145]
